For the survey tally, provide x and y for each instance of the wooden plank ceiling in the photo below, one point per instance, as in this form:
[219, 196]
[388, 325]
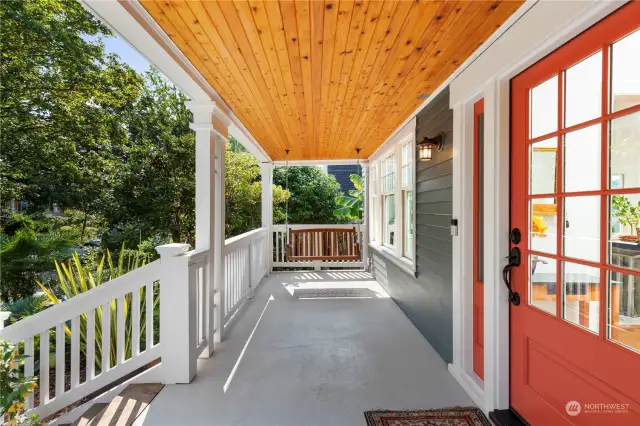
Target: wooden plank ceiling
[323, 78]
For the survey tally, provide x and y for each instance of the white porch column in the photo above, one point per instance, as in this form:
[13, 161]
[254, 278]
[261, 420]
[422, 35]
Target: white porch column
[219, 240]
[266, 172]
[178, 319]
[211, 129]
[365, 217]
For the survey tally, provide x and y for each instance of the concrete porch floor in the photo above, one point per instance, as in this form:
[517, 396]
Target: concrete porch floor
[327, 347]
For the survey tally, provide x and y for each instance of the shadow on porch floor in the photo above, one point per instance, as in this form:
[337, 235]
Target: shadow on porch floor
[327, 347]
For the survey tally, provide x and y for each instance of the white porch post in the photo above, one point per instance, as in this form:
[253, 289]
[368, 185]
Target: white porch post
[178, 321]
[211, 130]
[219, 240]
[205, 194]
[365, 216]
[266, 172]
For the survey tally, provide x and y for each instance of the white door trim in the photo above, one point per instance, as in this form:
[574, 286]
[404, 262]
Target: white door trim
[543, 28]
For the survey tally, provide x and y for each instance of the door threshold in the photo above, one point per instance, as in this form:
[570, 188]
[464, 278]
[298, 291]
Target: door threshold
[507, 418]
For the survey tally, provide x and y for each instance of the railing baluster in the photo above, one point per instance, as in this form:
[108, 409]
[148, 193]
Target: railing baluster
[44, 367]
[148, 309]
[203, 304]
[135, 322]
[105, 310]
[91, 345]
[120, 331]
[28, 368]
[75, 352]
[60, 361]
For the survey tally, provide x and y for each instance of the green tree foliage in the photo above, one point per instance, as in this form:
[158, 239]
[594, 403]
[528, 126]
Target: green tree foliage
[25, 256]
[61, 102]
[351, 205]
[243, 192]
[156, 182]
[313, 194]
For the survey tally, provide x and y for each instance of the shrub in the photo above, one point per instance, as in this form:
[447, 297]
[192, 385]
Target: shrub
[14, 387]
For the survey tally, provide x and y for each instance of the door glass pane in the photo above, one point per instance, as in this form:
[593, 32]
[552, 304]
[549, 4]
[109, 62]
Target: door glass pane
[544, 108]
[543, 166]
[542, 283]
[625, 63]
[624, 231]
[624, 151]
[624, 309]
[582, 160]
[582, 228]
[583, 91]
[581, 295]
[543, 229]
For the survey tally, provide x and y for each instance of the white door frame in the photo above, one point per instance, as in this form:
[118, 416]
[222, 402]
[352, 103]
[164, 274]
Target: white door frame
[542, 27]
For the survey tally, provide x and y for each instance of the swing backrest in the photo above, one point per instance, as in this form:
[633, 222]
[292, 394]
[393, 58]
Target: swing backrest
[323, 244]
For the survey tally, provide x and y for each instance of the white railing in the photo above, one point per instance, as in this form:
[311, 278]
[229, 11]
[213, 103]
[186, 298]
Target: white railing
[116, 315]
[200, 287]
[119, 315]
[279, 245]
[245, 265]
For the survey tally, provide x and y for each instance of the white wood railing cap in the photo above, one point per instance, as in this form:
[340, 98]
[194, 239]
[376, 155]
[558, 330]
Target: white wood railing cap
[172, 250]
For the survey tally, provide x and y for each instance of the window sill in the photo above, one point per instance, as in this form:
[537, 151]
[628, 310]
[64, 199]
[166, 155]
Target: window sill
[403, 263]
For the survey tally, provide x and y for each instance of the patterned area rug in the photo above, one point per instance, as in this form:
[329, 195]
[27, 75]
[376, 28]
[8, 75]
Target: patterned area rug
[453, 416]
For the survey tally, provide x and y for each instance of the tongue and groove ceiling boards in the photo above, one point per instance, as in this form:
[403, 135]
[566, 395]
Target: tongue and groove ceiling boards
[325, 77]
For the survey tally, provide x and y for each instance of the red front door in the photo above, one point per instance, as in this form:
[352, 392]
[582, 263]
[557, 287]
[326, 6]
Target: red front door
[575, 196]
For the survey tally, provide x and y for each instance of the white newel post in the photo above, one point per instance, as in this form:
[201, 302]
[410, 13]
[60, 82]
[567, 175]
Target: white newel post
[365, 215]
[266, 173]
[218, 242]
[178, 319]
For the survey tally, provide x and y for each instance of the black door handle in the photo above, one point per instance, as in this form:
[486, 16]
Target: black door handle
[514, 260]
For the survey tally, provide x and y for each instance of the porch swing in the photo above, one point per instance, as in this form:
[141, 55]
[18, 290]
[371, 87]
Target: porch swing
[319, 244]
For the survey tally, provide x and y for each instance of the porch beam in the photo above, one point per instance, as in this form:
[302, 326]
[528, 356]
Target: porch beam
[320, 162]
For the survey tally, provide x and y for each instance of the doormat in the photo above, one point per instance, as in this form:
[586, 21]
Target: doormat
[452, 416]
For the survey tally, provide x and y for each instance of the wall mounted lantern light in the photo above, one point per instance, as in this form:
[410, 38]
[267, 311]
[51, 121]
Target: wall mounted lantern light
[426, 147]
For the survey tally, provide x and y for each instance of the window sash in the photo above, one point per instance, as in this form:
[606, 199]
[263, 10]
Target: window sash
[408, 224]
[389, 206]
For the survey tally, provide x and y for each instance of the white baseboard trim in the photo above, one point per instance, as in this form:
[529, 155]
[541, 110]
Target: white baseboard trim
[470, 386]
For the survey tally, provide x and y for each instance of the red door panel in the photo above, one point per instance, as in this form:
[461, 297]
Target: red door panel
[478, 240]
[575, 337]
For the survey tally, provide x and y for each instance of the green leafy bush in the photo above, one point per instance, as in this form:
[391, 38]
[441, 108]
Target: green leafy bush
[14, 387]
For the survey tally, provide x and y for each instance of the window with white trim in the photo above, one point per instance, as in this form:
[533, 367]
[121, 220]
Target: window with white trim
[407, 200]
[373, 190]
[393, 200]
[389, 201]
